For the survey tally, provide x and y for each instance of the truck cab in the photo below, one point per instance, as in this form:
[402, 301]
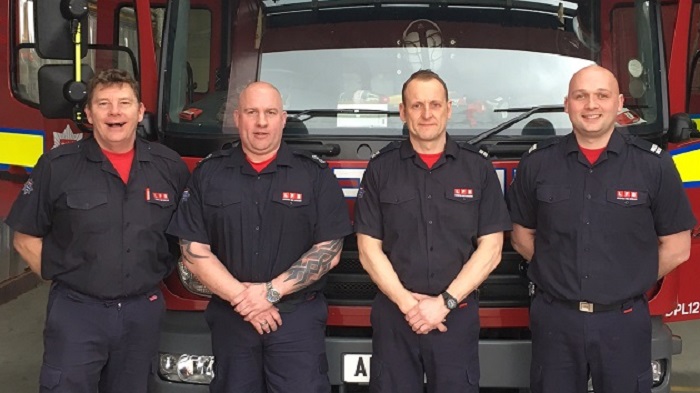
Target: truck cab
[340, 66]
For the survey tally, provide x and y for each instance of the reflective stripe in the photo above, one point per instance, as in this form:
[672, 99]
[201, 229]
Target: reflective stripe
[21, 147]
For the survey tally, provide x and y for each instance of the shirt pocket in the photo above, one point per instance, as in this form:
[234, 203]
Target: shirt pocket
[400, 208]
[554, 209]
[88, 211]
[222, 207]
[625, 208]
[461, 208]
[160, 212]
[295, 212]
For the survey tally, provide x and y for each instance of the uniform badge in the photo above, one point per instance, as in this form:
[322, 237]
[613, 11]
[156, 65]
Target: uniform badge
[292, 197]
[627, 195]
[185, 195]
[463, 193]
[161, 196]
[28, 187]
[67, 136]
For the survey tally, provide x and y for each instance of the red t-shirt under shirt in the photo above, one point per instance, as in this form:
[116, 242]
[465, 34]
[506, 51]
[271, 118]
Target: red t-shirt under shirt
[591, 154]
[121, 162]
[430, 159]
[259, 166]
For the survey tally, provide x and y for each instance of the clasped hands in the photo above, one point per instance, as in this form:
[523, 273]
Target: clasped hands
[426, 313]
[253, 306]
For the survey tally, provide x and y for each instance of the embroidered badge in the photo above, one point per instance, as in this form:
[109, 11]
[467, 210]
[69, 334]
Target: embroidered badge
[161, 196]
[291, 196]
[627, 196]
[463, 193]
[28, 187]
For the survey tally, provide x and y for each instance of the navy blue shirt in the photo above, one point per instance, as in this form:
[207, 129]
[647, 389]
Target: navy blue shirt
[260, 224]
[598, 224]
[100, 236]
[429, 218]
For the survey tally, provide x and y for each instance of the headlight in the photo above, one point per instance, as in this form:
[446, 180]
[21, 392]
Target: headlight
[191, 282]
[658, 371]
[186, 368]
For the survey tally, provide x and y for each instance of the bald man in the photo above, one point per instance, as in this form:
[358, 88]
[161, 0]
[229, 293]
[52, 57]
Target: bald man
[260, 225]
[601, 216]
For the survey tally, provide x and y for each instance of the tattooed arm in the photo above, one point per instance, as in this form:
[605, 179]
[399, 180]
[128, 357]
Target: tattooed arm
[316, 262]
[201, 262]
[313, 265]
[213, 274]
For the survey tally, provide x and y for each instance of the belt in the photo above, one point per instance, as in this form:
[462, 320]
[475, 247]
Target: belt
[589, 307]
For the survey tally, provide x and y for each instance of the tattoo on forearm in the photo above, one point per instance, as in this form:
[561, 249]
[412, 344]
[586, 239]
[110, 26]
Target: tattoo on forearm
[314, 263]
[186, 247]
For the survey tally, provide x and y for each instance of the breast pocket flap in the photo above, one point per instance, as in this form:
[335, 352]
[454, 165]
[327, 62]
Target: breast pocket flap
[549, 194]
[85, 200]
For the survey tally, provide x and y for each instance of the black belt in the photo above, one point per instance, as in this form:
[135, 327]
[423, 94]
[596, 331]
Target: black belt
[589, 307]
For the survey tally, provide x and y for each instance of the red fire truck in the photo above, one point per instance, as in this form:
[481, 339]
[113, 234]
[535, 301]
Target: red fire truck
[339, 65]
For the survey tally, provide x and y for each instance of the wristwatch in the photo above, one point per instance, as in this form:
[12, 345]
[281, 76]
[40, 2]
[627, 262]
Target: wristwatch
[272, 295]
[450, 302]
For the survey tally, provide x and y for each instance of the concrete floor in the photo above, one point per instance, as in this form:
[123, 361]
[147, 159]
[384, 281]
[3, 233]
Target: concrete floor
[21, 325]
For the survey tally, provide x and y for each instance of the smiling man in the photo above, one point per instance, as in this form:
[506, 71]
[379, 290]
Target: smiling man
[429, 218]
[92, 218]
[601, 216]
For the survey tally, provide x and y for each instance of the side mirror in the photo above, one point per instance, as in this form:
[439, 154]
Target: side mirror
[59, 92]
[681, 128]
[56, 24]
[146, 128]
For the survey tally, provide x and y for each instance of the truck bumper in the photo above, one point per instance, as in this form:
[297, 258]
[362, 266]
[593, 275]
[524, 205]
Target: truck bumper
[504, 363]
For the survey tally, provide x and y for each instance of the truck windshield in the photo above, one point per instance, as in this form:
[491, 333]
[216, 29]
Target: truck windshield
[330, 57]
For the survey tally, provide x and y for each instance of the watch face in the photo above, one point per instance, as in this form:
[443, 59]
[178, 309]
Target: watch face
[451, 304]
[273, 296]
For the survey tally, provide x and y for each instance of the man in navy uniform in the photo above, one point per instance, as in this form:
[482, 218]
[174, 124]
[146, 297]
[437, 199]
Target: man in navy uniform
[601, 216]
[92, 218]
[260, 226]
[429, 217]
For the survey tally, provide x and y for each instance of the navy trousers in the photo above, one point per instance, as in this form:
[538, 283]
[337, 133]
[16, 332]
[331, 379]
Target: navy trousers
[403, 360]
[93, 345]
[291, 359]
[568, 346]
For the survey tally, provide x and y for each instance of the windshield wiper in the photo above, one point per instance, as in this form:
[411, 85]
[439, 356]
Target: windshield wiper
[508, 123]
[311, 113]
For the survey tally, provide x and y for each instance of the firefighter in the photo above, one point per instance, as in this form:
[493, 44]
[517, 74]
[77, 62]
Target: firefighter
[429, 218]
[602, 216]
[92, 218]
[260, 225]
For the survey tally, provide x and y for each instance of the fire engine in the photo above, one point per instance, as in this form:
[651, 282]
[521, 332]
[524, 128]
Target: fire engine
[340, 65]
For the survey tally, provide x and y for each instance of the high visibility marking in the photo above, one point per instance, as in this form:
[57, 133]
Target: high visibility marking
[21, 147]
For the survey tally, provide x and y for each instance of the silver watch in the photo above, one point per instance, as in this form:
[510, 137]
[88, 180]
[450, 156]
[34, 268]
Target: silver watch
[272, 295]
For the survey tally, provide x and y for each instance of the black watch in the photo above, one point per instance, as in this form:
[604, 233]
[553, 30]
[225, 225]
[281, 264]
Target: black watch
[450, 302]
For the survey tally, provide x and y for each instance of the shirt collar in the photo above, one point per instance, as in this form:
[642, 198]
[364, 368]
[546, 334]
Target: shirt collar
[615, 144]
[284, 157]
[93, 151]
[407, 151]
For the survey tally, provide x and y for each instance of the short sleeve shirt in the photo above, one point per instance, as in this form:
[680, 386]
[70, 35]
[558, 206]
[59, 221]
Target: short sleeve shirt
[260, 224]
[597, 226]
[100, 236]
[429, 219]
